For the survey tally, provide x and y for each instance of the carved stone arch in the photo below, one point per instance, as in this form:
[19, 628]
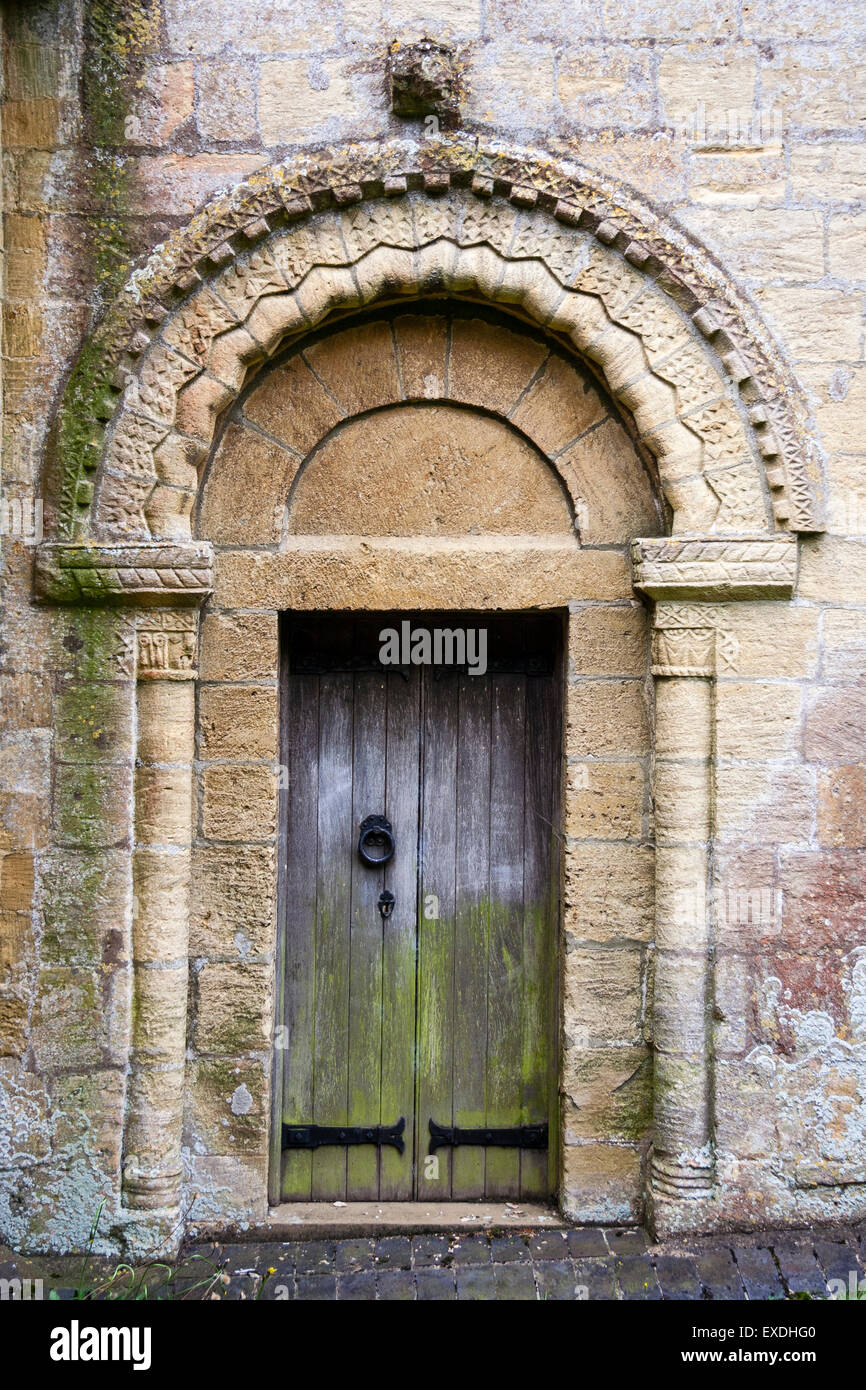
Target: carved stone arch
[299, 242]
[299, 245]
[430, 360]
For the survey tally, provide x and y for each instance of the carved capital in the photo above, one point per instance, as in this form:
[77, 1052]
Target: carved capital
[166, 645]
[146, 574]
[715, 568]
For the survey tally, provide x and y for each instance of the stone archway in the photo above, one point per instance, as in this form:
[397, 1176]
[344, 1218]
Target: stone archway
[711, 402]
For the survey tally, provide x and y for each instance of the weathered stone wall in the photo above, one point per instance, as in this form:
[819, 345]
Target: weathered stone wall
[119, 121]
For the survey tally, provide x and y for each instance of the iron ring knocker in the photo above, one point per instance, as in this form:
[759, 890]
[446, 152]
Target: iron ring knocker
[376, 830]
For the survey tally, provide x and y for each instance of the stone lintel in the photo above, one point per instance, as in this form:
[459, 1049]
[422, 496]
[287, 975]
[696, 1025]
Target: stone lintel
[139, 573]
[715, 568]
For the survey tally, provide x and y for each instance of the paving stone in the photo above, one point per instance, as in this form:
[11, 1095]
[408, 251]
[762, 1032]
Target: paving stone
[434, 1285]
[429, 1250]
[555, 1280]
[353, 1255]
[357, 1286]
[509, 1247]
[396, 1286]
[596, 1277]
[587, 1243]
[515, 1281]
[476, 1284]
[718, 1274]
[313, 1256]
[758, 1271]
[279, 1290]
[838, 1260]
[630, 1241]
[393, 1252]
[548, 1245]
[316, 1287]
[678, 1277]
[636, 1277]
[470, 1250]
[799, 1268]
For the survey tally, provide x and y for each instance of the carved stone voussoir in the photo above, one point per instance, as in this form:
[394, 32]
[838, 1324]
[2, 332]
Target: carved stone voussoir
[149, 575]
[714, 568]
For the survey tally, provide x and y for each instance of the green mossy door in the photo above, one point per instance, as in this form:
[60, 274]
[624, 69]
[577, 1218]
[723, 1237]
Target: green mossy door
[445, 1009]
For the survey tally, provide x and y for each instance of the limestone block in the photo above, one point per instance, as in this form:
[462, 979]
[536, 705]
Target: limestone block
[844, 646]
[86, 901]
[603, 1001]
[237, 722]
[682, 802]
[815, 325]
[842, 807]
[238, 803]
[80, 1019]
[234, 891]
[606, 719]
[833, 569]
[721, 78]
[358, 367]
[761, 243]
[92, 804]
[682, 719]
[608, 891]
[292, 405]
[161, 904]
[846, 249]
[602, 1182]
[249, 483]
[608, 1094]
[605, 801]
[485, 370]
[835, 725]
[291, 107]
[227, 1106]
[422, 344]
[757, 719]
[607, 640]
[225, 109]
[557, 407]
[822, 897]
[238, 646]
[353, 576]
[233, 1007]
[765, 804]
[159, 1018]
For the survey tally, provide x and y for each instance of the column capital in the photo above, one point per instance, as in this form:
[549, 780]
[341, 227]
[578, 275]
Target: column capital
[715, 569]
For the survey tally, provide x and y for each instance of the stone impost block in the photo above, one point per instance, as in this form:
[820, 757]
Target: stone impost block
[713, 568]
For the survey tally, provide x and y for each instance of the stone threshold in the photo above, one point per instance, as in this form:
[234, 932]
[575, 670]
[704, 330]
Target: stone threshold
[343, 1220]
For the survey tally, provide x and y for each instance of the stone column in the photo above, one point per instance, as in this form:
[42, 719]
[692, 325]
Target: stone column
[692, 580]
[684, 666]
[166, 646]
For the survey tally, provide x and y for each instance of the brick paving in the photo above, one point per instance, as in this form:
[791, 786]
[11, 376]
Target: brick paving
[562, 1264]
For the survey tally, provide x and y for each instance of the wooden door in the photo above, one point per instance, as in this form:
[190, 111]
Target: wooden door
[445, 1009]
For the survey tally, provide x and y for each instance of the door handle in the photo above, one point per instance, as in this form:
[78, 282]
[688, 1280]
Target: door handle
[376, 845]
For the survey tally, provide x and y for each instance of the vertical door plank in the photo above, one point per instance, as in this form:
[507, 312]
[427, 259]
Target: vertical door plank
[365, 944]
[541, 897]
[332, 928]
[435, 1050]
[301, 751]
[399, 936]
[471, 926]
[505, 954]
